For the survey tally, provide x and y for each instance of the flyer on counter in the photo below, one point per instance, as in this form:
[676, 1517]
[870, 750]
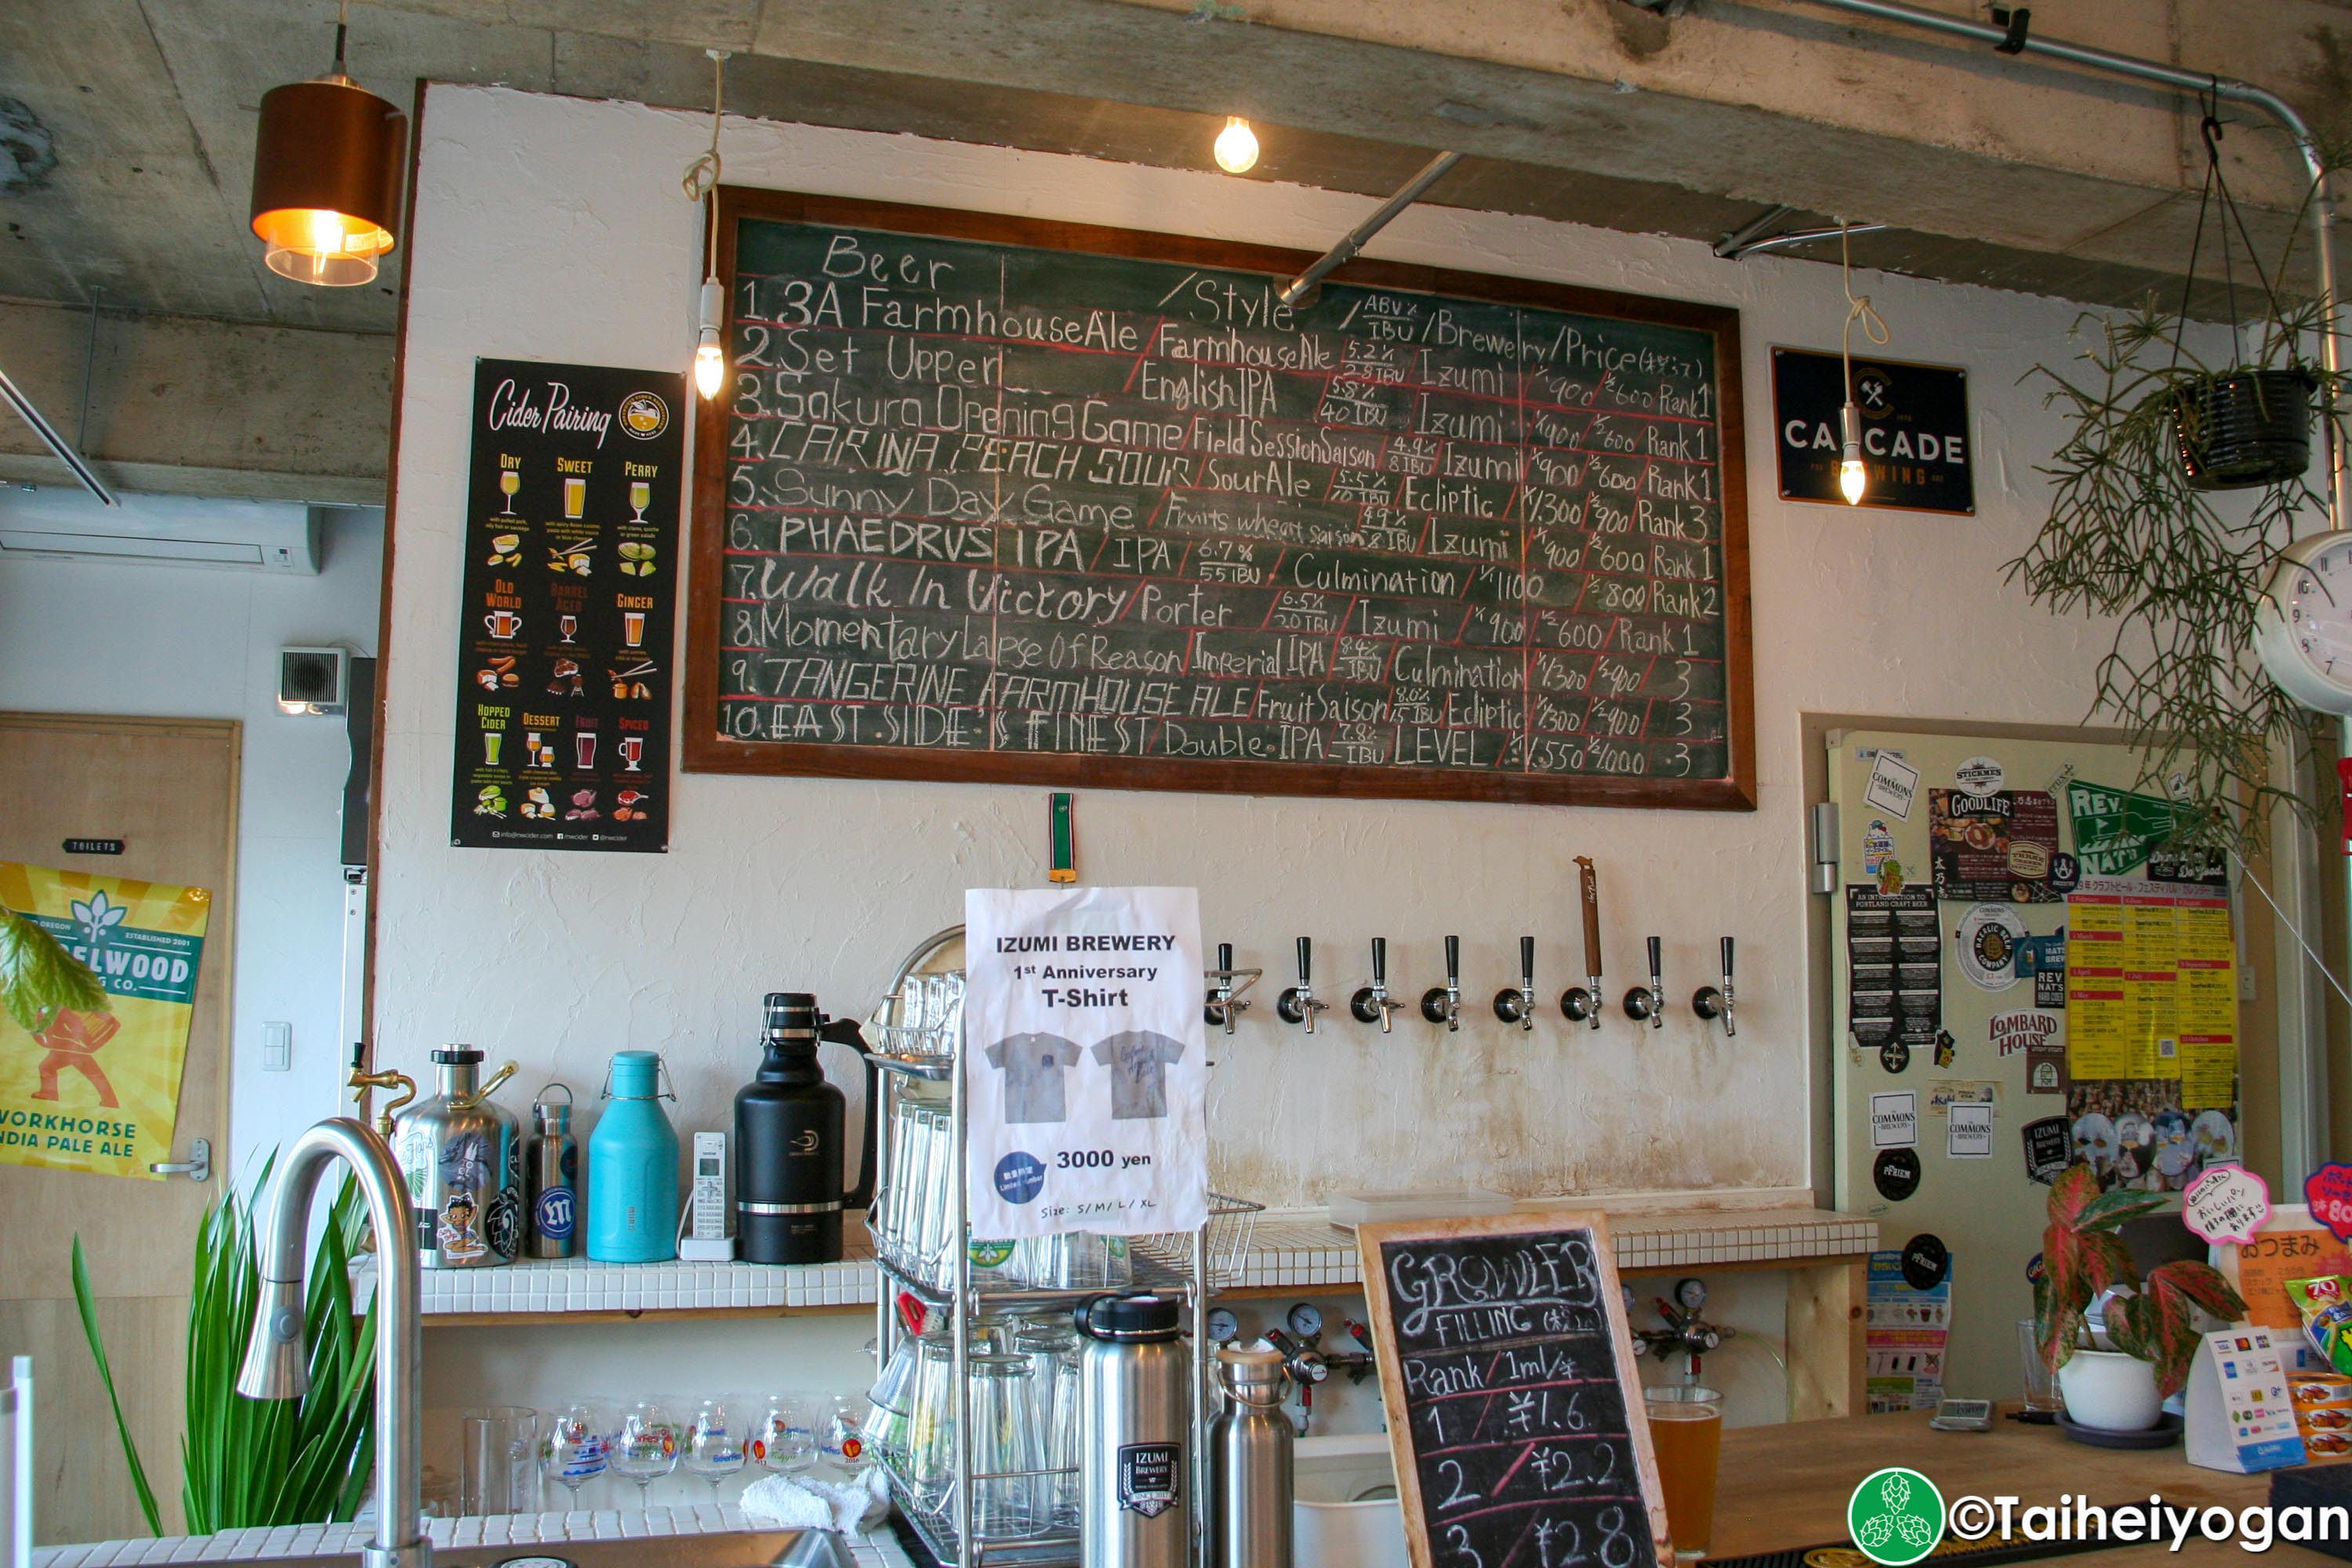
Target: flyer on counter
[1086, 1061]
[2291, 1244]
[2239, 1414]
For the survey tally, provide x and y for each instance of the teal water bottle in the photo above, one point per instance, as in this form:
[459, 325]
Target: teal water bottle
[633, 1167]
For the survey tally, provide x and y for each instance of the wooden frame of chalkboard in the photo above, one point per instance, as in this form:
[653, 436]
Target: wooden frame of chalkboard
[1492, 1308]
[1617, 686]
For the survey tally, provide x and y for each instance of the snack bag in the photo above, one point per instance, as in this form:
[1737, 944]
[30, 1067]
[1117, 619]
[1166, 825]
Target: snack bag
[2325, 1304]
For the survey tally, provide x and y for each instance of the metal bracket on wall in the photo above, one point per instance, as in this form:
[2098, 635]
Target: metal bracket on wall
[1302, 289]
[14, 398]
[1755, 236]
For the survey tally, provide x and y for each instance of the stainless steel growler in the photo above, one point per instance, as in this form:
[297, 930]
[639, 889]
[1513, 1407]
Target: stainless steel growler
[1250, 1462]
[462, 1159]
[1135, 1447]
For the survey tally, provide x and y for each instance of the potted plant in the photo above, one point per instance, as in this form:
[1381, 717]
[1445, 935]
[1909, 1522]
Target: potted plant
[2149, 1328]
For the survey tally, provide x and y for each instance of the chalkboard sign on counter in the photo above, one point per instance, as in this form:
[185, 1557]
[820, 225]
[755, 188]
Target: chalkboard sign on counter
[1514, 1411]
[997, 499]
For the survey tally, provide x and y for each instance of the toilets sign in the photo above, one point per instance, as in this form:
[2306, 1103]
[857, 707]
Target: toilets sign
[1916, 442]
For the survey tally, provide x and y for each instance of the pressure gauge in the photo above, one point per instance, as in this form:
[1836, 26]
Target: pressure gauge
[1305, 1320]
[1223, 1327]
[1690, 1294]
[2302, 624]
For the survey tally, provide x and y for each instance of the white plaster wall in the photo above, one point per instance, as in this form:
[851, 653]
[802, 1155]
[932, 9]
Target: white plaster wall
[552, 229]
[194, 643]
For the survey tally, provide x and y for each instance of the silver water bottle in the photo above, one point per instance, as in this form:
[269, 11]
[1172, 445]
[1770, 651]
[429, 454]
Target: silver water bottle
[1250, 1462]
[552, 1177]
[1135, 1412]
[462, 1158]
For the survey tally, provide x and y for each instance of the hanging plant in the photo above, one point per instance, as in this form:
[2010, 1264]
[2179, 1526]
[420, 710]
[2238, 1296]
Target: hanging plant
[2154, 433]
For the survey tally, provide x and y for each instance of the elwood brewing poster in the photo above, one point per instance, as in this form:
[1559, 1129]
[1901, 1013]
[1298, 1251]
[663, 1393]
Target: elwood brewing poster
[570, 588]
[100, 1091]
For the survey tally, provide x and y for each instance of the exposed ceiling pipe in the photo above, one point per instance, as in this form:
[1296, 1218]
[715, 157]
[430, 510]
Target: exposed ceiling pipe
[2016, 38]
[1301, 289]
[1750, 240]
[56, 442]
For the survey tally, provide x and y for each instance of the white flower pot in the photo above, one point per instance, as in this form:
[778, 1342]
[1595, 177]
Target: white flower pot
[2111, 1390]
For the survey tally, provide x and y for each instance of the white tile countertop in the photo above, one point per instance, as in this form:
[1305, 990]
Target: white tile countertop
[875, 1548]
[1285, 1250]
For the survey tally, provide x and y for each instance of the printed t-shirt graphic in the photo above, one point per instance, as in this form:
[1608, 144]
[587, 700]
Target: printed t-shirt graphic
[1033, 1067]
[1139, 1061]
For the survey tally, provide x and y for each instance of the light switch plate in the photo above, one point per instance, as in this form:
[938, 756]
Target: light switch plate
[276, 1048]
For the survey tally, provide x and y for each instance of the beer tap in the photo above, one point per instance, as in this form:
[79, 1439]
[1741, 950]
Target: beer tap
[1582, 1004]
[1298, 1004]
[1648, 1000]
[1372, 1003]
[1709, 1002]
[1442, 1004]
[1225, 1004]
[1520, 1006]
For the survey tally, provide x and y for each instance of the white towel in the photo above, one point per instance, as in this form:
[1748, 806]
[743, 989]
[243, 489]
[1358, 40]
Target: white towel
[804, 1502]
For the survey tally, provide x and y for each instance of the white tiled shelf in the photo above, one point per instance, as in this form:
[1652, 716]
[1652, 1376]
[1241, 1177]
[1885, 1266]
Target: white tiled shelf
[1285, 1251]
[876, 1549]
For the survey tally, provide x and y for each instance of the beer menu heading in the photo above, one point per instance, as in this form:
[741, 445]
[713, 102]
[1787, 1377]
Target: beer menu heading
[563, 642]
[995, 499]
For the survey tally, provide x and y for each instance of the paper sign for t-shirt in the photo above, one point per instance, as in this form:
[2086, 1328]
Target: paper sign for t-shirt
[1893, 783]
[1893, 1120]
[1086, 1062]
[1968, 1133]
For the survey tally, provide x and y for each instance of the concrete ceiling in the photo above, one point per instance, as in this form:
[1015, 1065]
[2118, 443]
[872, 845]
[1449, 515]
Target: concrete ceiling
[1591, 111]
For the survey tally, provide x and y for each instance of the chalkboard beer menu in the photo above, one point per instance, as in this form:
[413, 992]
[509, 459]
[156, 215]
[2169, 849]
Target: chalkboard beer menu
[997, 499]
[571, 552]
[1514, 1412]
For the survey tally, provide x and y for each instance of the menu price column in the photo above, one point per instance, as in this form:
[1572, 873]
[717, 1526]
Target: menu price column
[564, 698]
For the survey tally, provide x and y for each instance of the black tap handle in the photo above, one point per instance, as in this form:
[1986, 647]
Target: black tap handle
[1381, 962]
[1225, 957]
[1305, 959]
[1454, 963]
[1527, 962]
[1653, 957]
[1727, 958]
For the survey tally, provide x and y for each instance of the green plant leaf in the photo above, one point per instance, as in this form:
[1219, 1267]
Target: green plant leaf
[86, 1302]
[38, 977]
[2109, 1211]
[2160, 1316]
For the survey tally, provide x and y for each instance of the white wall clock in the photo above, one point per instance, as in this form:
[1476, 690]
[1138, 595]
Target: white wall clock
[2303, 627]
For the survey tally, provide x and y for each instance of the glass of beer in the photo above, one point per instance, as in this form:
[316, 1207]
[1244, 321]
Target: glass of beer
[1686, 1431]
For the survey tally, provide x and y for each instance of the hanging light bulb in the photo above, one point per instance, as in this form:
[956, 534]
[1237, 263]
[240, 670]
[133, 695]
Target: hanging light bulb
[326, 177]
[1236, 147]
[1853, 479]
[701, 184]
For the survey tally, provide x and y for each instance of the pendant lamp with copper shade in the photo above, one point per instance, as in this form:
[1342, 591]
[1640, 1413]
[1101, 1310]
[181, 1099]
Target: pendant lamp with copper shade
[326, 177]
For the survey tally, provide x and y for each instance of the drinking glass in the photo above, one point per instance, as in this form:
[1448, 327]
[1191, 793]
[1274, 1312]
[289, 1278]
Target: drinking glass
[645, 1445]
[497, 1476]
[1006, 1447]
[784, 1436]
[842, 1441]
[2041, 1389]
[889, 1426]
[1686, 1431]
[1052, 1351]
[714, 1448]
[931, 1460]
[576, 1450]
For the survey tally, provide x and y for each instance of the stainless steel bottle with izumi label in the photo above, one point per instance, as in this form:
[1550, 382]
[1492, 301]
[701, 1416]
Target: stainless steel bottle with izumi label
[1250, 1457]
[552, 1177]
[462, 1157]
[1135, 1412]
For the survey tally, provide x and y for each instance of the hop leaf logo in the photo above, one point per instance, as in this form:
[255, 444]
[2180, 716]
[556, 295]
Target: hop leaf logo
[1897, 1516]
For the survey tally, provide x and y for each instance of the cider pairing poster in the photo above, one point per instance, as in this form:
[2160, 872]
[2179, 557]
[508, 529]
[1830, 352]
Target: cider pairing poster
[1086, 1061]
[99, 1090]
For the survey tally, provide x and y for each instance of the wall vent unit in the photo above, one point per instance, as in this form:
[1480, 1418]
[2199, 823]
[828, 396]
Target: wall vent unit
[59, 523]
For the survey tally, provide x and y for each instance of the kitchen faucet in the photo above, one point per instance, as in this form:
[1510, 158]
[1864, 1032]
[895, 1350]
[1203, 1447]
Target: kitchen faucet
[276, 1359]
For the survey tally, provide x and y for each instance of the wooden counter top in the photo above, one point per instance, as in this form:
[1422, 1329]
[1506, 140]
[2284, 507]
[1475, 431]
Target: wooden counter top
[1785, 1486]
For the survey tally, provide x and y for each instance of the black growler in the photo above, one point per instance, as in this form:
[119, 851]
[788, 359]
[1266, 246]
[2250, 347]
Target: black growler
[789, 1140]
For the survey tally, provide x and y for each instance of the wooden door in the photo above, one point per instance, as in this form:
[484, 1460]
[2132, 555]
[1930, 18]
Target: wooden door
[167, 788]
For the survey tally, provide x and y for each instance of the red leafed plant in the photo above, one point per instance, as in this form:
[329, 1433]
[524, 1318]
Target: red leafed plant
[2082, 1255]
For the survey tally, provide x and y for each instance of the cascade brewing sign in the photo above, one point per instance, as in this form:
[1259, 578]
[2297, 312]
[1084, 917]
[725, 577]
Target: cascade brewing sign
[1915, 431]
[563, 695]
[1516, 1417]
[1013, 500]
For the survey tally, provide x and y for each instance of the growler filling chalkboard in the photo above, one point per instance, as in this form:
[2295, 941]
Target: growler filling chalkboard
[1507, 1371]
[993, 509]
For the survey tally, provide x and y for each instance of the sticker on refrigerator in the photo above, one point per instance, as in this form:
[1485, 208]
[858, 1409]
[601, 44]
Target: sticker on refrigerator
[1877, 846]
[1986, 945]
[2049, 1148]
[1894, 973]
[1997, 848]
[1087, 1082]
[1968, 1131]
[1893, 1120]
[1903, 1337]
[1927, 1261]
[1980, 775]
[1896, 1174]
[1894, 784]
